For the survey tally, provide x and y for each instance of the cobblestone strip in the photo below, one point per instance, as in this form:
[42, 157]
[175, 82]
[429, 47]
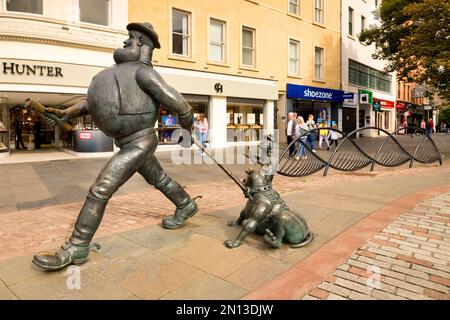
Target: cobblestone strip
[409, 259]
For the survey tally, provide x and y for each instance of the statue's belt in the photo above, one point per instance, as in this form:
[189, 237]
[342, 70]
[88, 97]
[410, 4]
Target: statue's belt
[136, 135]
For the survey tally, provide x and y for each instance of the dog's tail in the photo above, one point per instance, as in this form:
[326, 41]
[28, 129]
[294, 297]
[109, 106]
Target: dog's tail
[309, 238]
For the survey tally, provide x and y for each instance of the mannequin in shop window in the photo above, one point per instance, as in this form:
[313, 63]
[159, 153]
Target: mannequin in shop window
[37, 134]
[19, 141]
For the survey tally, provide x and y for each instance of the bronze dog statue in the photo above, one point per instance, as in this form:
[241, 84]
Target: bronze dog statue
[267, 214]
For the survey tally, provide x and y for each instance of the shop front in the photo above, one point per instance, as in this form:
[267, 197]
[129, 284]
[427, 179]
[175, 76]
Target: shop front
[324, 104]
[53, 84]
[385, 117]
[415, 114]
[238, 109]
[401, 114]
[376, 112]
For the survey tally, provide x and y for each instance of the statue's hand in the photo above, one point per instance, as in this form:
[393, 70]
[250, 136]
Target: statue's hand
[232, 243]
[61, 114]
[186, 140]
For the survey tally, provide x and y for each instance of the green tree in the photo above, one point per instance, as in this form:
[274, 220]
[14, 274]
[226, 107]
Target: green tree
[414, 38]
[444, 116]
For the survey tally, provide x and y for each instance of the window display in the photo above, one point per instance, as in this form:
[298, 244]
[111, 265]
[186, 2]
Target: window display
[4, 132]
[3, 136]
[168, 123]
[30, 130]
[245, 119]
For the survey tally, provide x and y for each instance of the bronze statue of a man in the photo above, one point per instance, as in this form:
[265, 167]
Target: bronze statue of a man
[124, 101]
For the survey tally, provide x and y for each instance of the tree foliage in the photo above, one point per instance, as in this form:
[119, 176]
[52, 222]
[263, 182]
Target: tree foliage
[414, 38]
[444, 116]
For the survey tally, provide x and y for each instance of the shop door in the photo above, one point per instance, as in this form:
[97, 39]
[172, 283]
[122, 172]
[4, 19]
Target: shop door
[348, 119]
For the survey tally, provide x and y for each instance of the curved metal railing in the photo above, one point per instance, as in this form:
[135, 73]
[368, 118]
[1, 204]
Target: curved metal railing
[349, 156]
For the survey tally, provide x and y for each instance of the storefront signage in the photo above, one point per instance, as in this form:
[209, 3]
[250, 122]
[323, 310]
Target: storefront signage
[24, 69]
[384, 103]
[85, 135]
[365, 97]
[400, 106]
[376, 106]
[218, 87]
[348, 95]
[314, 93]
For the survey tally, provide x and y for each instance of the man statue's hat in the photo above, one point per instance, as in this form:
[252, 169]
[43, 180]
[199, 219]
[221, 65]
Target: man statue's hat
[147, 29]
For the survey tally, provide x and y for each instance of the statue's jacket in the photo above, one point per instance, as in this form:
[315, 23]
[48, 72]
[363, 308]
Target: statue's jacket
[119, 107]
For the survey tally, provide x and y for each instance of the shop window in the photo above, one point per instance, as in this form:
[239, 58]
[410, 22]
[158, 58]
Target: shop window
[318, 63]
[28, 6]
[95, 11]
[181, 33]
[168, 122]
[30, 130]
[293, 7]
[4, 128]
[248, 46]
[294, 57]
[318, 11]
[245, 119]
[217, 40]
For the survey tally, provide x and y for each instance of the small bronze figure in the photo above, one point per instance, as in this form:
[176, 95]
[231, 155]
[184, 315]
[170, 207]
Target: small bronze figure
[124, 101]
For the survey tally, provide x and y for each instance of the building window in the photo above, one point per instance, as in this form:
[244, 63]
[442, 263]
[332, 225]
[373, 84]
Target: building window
[95, 11]
[350, 21]
[28, 6]
[376, 3]
[293, 7]
[363, 23]
[318, 63]
[248, 46]
[362, 75]
[318, 11]
[181, 36]
[217, 40]
[294, 57]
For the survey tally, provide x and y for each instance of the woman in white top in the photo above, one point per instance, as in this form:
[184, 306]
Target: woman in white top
[300, 129]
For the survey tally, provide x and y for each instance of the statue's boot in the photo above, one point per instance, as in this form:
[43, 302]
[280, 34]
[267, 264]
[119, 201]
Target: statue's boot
[186, 207]
[76, 250]
[181, 215]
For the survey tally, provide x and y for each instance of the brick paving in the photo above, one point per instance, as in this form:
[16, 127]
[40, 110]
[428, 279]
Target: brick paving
[135, 249]
[409, 259]
[32, 230]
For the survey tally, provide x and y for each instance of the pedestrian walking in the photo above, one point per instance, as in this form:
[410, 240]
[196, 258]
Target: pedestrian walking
[430, 126]
[323, 134]
[311, 136]
[300, 129]
[423, 125]
[334, 136]
[203, 128]
[290, 133]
